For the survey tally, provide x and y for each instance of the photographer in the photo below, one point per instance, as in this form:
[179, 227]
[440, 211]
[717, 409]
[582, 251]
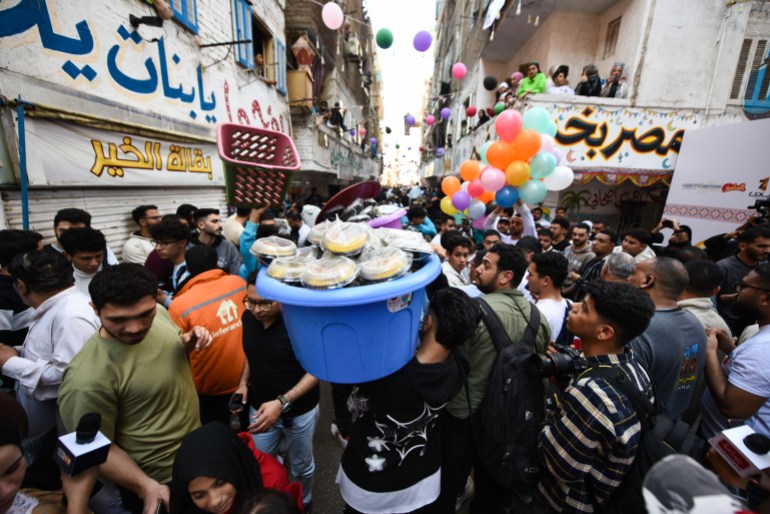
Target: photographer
[608, 428]
[681, 238]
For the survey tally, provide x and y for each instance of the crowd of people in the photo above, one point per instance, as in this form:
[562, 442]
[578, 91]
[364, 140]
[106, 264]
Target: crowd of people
[209, 410]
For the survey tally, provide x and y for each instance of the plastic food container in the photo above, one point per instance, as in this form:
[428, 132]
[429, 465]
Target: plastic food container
[288, 269]
[344, 238]
[329, 273]
[265, 249]
[384, 264]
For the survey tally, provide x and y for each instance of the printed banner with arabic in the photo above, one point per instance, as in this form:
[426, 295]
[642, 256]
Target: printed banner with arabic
[67, 154]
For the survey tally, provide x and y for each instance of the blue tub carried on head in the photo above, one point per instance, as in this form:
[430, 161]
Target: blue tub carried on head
[356, 334]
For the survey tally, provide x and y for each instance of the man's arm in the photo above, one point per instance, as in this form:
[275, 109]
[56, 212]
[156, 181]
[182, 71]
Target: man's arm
[121, 470]
[234, 259]
[527, 220]
[269, 412]
[491, 222]
[243, 386]
[196, 339]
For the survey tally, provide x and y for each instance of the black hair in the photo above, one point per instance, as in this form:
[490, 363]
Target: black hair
[552, 265]
[590, 70]
[243, 210]
[14, 242]
[251, 279]
[640, 234]
[293, 215]
[446, 236]
[752, 234]
[611, 234]
[173, 217]
[266, 230]
[268, 501]
[479, 257]
[529, 244]
[622, 306]
[510, 258]
[537, 209]
[266, 216]
[186, 211]
[455, 314]
[545, 232]
[72, 215]
[705, 277]
[562, 222]
[456, 241]
[490, 232]
[123, 284]
[200, 258]
[762, 271]
[170, 230]
[42, 271]
[583, 226]
[83, 240]
[687, 230]
[415, 211]
[141, 211]
[690, 253]
[202, 213]
[444, 218]
[670, 276]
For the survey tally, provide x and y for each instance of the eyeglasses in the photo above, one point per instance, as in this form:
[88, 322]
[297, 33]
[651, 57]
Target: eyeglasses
[164, 243]
[156, 218]
[253, 304]
[740, 286]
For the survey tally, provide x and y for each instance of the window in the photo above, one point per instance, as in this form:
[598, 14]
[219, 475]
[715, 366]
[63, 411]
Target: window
[186, 13]
[262, 50]
[611, 40]
[751, 78]
[280, 66]
[242, 20]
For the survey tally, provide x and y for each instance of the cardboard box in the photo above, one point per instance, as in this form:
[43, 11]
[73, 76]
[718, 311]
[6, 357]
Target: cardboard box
[729, 444]
[74, 458]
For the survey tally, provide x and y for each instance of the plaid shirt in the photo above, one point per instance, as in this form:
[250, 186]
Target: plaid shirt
[591, 443]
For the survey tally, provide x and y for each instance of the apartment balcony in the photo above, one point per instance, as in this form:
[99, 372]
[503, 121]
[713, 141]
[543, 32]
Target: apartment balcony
[324, 151]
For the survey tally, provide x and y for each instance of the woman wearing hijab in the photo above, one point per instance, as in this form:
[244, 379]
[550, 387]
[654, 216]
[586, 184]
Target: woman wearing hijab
[616, 86]
[590, 82]
[533, 83]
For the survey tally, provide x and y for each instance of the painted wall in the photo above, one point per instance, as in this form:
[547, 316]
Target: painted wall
[633, 17]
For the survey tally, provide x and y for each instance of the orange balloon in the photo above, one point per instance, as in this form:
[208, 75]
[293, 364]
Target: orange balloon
[450, 185]
[487, 196]
[517, 173]
[470, 169]
[527, 144]
[500, 154]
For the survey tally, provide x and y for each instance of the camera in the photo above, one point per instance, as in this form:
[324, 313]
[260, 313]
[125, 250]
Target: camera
[762, 206]
[559, 364]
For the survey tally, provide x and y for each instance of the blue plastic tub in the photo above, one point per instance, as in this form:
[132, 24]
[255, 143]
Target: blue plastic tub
[357, 334]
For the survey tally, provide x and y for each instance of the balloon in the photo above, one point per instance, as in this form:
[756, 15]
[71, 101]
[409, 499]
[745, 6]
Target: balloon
[527, 144]
[352, 132]
[439, 151]
[446, 112]
[362, 131]
[537, 119]
[547, 144]
[506, 197]
[422, 40]
[475, 188]
[464, 186]
[487, 196]
[384, 38]
[483, 151]
[542, 165]
[499, 107]
[461, 200]
[560, 179]
[490, 83]
[551, 129]
[532, 191]
[332, 15]
[373, 140]
[493, 179]
[517, 173]
[500, 155]
[508, 125]
[459, 70]
[409, 120]
[470, 111]
[479, 222]
[450, 185]
[430, 119]
[447, 207]
[398, 146]
[476, 209]
[557, 153]
[469, 169]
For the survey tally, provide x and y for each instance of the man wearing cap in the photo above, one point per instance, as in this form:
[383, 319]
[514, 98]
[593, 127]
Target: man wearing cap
[681, 238]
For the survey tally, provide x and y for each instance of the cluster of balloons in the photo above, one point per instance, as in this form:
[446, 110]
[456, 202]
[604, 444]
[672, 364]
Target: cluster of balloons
[524, 164]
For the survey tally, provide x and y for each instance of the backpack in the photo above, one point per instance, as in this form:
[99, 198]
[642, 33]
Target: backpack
[660, 437]
[507, 423]
[565, 338]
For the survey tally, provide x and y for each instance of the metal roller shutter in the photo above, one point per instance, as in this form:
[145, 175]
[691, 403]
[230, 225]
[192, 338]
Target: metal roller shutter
[110, 208]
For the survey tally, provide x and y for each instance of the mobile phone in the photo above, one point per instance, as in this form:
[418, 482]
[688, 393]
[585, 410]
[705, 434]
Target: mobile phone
[667, 224]
[236, 402]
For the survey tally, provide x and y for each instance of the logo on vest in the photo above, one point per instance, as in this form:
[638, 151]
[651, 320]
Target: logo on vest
[227, 312]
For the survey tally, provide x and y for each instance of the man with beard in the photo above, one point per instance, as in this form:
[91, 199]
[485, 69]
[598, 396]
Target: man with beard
[578, 253]
[681, 238]
[602, 246]
[209, 224]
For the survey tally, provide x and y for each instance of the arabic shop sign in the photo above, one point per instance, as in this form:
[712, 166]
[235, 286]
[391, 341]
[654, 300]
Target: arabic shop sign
[65, 154]
[601, 137]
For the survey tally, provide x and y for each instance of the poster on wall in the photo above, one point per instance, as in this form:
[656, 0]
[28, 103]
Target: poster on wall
[67, 154]
[721, 172]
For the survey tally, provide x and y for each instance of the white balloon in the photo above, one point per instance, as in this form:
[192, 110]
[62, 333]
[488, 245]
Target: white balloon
[476, 209]
[332, 15]
[464, 186]
[561, 178]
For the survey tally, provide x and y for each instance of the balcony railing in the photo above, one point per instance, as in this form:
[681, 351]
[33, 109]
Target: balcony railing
[323, 150]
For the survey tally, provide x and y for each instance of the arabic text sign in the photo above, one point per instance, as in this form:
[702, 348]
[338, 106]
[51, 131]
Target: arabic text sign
[620, 137]
[67, 154]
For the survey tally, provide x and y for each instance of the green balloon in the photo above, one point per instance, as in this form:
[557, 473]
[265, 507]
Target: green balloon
[499, 107]
[384, 38]
[398, 146]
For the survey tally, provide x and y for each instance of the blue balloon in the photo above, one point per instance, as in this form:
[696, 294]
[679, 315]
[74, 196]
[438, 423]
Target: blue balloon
[483, 151]
[507, 197]
[536, 119]
[542, 165]
[533, 191]
[551, 129]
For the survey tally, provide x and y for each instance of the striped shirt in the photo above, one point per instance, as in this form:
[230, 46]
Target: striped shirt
[590, 444]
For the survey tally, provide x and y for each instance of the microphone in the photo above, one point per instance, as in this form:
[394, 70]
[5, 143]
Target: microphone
[84, 448]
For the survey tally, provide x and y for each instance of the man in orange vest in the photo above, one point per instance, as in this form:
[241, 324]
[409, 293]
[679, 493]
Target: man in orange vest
[212, 299]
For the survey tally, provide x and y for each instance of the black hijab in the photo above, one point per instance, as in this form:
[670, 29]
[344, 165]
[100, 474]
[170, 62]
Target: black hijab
[213, 451]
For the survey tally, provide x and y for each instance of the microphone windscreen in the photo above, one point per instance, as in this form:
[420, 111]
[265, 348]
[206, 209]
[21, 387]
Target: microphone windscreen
[87, 428]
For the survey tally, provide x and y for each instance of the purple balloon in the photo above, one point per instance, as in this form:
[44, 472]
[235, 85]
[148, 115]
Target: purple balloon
[461, 200]
[422, 40]
[373, 140]
[556, 153]
[439, 151]
[352, 132]
[446, 112]
[410, 120]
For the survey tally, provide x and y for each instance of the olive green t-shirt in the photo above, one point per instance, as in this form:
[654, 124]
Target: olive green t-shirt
[144, 393]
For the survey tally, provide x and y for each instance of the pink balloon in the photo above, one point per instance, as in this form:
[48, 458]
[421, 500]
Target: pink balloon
[508, 125]
[332, 15]
[479, 223]
[459, 70]
[475, 188]
[547, 143]
[493, 180]
[430, 119]
[461, 200]
[362, 131]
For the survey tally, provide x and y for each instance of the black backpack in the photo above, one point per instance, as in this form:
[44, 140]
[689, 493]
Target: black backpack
[507, 424]
[565, 338]
[660, 437]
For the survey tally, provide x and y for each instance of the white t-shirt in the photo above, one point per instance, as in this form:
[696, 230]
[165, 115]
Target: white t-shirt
[554, 312]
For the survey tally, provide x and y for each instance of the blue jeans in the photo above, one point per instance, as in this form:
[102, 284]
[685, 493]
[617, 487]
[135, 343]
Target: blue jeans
[299, 446]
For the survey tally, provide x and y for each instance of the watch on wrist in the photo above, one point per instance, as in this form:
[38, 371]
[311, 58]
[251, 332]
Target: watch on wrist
[285, 403]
